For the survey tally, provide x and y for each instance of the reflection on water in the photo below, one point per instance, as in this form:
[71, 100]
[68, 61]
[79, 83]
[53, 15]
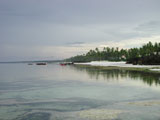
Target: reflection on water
[54, 92]
[117, 74]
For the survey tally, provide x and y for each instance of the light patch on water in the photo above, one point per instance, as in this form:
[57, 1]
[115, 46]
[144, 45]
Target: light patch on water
[145, 103]
[100, 114]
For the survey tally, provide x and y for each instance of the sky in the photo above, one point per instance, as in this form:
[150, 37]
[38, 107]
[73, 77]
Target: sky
[58, 29]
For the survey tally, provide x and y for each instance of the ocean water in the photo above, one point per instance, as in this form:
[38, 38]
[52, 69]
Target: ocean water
[54, 92]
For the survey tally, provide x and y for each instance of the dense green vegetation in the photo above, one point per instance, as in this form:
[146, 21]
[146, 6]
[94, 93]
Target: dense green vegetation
[148, 54]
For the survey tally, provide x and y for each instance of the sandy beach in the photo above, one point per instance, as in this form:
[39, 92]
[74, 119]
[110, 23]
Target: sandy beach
[121, 64]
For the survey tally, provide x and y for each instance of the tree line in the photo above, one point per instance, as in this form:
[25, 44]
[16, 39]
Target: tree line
[148, 54]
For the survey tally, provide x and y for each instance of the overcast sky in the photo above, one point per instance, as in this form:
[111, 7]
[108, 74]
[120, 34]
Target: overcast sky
[57, 29]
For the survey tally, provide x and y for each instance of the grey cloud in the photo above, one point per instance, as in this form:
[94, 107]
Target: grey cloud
[74, 44]
[151, 26]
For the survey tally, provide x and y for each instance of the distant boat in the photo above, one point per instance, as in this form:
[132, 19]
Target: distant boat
[30, 63]
[41, 63]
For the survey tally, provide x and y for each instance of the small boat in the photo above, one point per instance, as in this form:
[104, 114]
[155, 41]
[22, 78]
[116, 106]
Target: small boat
[30, 63]
[63, 64]
[41, 63]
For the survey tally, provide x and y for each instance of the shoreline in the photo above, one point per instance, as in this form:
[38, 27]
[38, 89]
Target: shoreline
[121, 66]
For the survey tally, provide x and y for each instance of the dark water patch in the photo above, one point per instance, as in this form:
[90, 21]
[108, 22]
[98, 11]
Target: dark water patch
[35, 116]
[67, 105]
[63, 106]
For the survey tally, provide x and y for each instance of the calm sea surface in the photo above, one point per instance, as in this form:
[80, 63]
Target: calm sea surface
[54, 92]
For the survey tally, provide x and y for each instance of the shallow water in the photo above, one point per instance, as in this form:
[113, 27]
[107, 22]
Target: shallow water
[53, 92]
